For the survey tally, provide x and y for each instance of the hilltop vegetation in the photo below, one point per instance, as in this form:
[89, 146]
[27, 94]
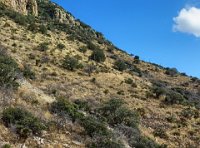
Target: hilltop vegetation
[62, 84]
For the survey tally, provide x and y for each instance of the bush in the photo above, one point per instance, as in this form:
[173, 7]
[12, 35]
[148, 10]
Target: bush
[83, 49]
[159, 132]
[94, 127]
[70, 63]
[82, 105]
[136, 59]
[8, 72]
[24, 122]
[174, 98]
[42, 29]
[61, 46]
[89, 69]
[32, 27]
[6, 146]
[28, 73]
[63, 107]
[159, 91]
[115, 113]
[129, 81]
[98, 55]
[120, 65]
[172, 72]
[43, 46]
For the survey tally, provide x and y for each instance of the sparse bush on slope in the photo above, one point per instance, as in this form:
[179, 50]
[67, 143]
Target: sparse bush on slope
[8, 72]
[24, 121]
[98, 55]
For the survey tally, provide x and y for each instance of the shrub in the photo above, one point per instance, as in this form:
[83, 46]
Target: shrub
[115, 113]
[174, 98]
[63, 107]
[159, 91]
[129, 81]
[120, 65]
[82, 105]
[24, 121]
[172, 72]
[42, 29]
[94, 127]
[137, 59]
[61, 46]
[83, 49]
[43, 46]
[8, 72]
[32, 27]
[89, 69]
[159, 132]
[98, 55]
[6, 146]
[28, 73]
[70, 63]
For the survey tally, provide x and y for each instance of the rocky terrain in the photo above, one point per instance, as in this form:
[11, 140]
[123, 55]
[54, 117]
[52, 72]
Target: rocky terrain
[62, 84]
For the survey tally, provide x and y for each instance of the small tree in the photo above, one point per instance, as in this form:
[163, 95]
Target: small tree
[98, 55]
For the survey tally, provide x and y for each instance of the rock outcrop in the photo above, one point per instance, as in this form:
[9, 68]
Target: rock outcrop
[63, 17]
[23, 6]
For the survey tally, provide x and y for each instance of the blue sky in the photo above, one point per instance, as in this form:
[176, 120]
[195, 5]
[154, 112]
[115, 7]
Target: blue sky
[160, 31]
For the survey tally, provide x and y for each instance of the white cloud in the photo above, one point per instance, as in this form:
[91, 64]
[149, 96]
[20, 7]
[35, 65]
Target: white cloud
[188, 21]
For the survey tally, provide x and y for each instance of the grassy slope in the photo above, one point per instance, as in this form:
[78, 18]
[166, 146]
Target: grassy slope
[78, 85]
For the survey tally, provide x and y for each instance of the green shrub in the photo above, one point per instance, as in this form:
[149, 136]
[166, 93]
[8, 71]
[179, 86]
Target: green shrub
[32, 27]
[28, 73]
[82, 105]
[115, 113]
[98, 55]
[136, 59]
[159, 91]
[120, 65]
[172, 72]
[42, 29]
[94, 127]
[43, 46]
[63, 107]
[159, 132]
[6, 146]
[83, 49]
[174, 98]
[70, 63]
[129, 81]
[24, 121]
[61, 46]
[8, 72]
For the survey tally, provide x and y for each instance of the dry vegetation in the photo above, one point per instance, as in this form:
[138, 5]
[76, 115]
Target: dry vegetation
[53, 66]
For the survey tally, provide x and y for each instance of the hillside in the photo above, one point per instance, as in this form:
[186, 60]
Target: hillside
[62, 84]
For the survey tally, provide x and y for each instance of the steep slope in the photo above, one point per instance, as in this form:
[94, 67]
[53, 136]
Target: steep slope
[61, 57]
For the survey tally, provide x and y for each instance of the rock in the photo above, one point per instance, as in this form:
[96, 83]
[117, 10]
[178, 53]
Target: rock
[39, 140]
[66, 146]
[23, 6]
[77, 143]
[63, 17]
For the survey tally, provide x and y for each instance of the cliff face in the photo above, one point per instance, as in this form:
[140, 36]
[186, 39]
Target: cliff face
[22, 6]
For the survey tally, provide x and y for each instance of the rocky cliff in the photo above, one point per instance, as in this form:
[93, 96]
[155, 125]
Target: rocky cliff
[23, 6]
